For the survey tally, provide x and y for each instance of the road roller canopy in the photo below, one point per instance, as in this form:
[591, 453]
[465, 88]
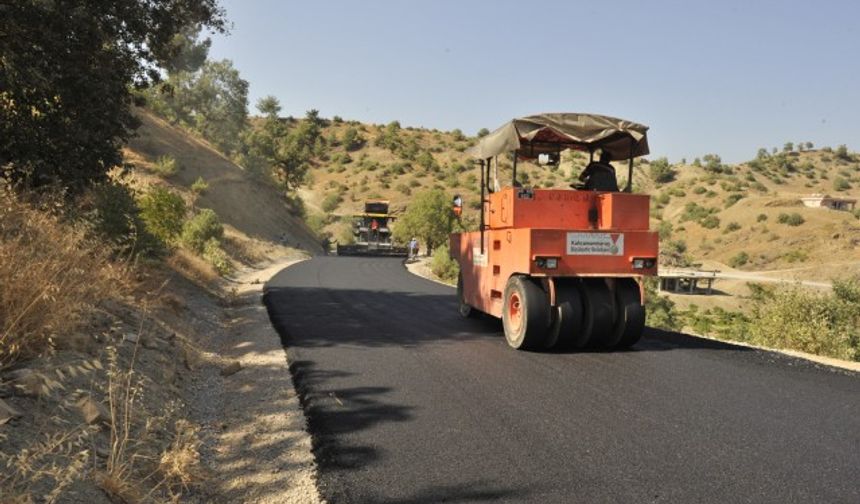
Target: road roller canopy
[551, 133]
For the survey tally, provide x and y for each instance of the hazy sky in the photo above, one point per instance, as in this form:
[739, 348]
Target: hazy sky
[725, 77]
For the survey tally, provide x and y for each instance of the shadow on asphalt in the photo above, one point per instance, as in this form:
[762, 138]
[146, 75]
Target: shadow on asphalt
[314, 318]
[331, 413]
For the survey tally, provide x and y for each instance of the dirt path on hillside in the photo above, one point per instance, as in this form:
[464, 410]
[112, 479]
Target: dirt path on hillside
[759, 276]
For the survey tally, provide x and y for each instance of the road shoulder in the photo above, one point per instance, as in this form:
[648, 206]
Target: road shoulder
[263, 450]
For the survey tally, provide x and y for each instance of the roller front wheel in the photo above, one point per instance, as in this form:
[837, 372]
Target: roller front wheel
[526, 314]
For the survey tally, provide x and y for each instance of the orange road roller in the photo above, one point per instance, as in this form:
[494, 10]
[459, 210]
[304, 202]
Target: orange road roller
[562, 268]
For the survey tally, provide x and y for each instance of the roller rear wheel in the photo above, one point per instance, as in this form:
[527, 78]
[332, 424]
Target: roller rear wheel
[630, 323]
[599, 305]
[465, 309]
[526, 314]
[566, 330]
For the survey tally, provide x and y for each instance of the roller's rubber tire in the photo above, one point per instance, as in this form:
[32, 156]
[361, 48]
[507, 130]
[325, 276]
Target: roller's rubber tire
[465, 309]
[525, 314]
[565, 331]
[630, 319]
[599, 305]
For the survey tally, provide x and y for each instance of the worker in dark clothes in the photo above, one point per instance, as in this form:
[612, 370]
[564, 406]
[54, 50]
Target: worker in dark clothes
[600, 175]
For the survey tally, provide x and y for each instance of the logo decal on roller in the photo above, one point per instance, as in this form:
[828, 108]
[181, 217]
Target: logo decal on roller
[603, 244]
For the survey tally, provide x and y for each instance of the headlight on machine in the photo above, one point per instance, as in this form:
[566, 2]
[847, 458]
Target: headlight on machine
[644, 262]
[547, 262]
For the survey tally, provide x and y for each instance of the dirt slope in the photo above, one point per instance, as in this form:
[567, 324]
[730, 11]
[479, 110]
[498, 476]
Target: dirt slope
[252, 207]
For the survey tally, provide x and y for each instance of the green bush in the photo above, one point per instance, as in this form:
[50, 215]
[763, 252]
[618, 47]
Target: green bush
[793, 256]
[731, 227]
[674, 253]
[733, 198]
[316, 222]
[793, 219]
[331, 202]
[710, 222]
[840, 184]
[165, 166]
[761, 217]
[352, 140]
[215, 255]
[201, 228]
[810, 321]
[115, 216]
[695, 212]
[739, 259]
[664, 230]
[443, 266]
[699, 190]
[842, 153]
[661, 171]
[199, 186]
[163, 213]
[659, 310]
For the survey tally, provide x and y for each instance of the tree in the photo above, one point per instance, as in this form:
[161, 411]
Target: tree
[269, 106]
[429, 217]
[351, 139]
[390, 137]
[788, 147]
[483, 132]
[213, 100]
[713, 163]
[661, 171]
[762, 154]
[427, 161]
[276, 147]
[67, 75]
[190, 53]
[292, 154]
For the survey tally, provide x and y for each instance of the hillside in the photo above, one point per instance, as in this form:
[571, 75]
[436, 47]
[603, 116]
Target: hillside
[724, 214]
[253, 212]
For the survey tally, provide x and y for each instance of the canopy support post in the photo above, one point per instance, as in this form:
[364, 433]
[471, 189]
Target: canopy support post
[483, 200]
[629, 187]
[514, 182]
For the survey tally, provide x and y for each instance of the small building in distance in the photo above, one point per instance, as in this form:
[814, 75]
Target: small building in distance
[826, 201]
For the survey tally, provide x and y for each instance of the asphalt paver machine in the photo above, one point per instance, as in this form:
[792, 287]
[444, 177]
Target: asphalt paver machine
[562, 268]
[372, 232]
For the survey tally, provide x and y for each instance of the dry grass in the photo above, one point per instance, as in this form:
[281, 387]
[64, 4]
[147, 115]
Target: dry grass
[118, 486]
[193, 267]
[56, 460]
[51, 276]
[180, 462]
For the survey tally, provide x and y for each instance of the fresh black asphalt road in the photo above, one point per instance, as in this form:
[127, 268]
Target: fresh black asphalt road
[409, 403]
